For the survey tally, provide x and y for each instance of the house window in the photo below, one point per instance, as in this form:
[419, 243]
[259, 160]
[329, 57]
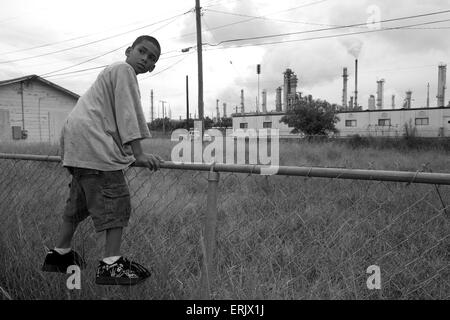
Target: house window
[267, 124]
[384, 122]
[350, 123]
[243, 125]
[422, 121]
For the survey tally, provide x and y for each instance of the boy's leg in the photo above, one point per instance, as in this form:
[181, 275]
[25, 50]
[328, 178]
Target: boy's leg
[111, 214]
[113, 241]
[58, 259]
[66, 234]
[62, 257]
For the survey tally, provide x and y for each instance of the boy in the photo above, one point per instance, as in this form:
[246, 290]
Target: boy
[100, 138]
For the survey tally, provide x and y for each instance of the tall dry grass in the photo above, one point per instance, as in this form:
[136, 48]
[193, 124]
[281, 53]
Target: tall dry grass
[277, 237]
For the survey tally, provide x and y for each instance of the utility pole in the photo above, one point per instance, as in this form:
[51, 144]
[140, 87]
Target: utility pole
[187, 102]
[151, 106]
[164, 116]
[199, 58]
[200, 68]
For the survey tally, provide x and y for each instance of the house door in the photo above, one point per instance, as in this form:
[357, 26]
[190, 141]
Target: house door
[447, 126]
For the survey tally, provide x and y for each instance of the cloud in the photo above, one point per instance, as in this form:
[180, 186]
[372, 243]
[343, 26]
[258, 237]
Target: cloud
[401, 41]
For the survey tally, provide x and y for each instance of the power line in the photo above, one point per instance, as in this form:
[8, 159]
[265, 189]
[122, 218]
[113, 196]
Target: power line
[208, 29]
[270, 43]
[92, 42]
[103, 66]
[104, 54]
[264, 17]
[70, 75]
[65, 40]
[251, 19]
[329, 36]
[98, 67]
[83, 62]
[71, 72]
[171, 66]
[327, 29]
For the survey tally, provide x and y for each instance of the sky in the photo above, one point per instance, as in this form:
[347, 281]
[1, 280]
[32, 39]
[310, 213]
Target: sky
[69, 42]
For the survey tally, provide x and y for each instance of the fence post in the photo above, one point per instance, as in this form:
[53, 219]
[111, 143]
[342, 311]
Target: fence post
[208, 242]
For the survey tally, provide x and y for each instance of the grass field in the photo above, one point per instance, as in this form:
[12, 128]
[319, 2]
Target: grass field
[277, 237]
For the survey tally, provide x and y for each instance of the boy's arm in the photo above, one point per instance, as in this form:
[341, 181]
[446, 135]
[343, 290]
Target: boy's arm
[148, 160]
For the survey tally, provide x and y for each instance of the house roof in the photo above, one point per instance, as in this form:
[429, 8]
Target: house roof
[37, 78]
[239, 115]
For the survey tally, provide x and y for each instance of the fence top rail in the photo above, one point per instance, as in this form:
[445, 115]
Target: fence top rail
[313, 172]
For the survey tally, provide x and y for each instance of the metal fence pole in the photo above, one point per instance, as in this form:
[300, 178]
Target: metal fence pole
[208, 242]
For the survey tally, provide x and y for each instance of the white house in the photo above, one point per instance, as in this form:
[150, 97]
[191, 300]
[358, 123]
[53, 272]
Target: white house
[425, 122]
[34, 106]
[269, 120]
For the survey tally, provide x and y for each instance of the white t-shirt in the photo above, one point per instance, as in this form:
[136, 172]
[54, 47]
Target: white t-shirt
[107, 117]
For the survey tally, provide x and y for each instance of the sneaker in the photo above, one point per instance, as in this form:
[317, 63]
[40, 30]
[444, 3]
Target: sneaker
[55, 262]
[121, 272]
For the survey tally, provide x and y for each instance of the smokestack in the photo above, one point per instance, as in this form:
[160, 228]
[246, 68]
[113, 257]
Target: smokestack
[428, 95]
[293, 86]
[264, 101]
[407, 103]
[356, 83]
[442, 77]
[372, 102]
[380, 94]
[286, 88]
[351, 101]
[344, 90]
[278, 100]
[224, 109]
[217, 109]
[242, 102]
[393, 101]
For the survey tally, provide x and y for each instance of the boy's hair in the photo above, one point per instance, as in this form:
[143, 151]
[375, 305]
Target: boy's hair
[148, 38]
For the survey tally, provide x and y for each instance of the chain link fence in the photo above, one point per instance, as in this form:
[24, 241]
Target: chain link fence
[275, 237]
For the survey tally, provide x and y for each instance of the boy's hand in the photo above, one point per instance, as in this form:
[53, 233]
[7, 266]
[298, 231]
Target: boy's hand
[148, 160]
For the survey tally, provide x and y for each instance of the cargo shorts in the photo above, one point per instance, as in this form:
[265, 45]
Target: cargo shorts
[102, 195]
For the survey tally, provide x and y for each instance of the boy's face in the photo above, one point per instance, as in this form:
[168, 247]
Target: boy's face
[142, 57]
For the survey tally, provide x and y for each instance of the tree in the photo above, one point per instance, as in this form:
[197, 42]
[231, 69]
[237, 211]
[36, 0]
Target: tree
[224, 123]
[312, 117]
[208, 123]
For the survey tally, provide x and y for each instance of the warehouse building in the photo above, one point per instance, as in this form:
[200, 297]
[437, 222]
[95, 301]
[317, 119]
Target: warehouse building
[33, 109]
